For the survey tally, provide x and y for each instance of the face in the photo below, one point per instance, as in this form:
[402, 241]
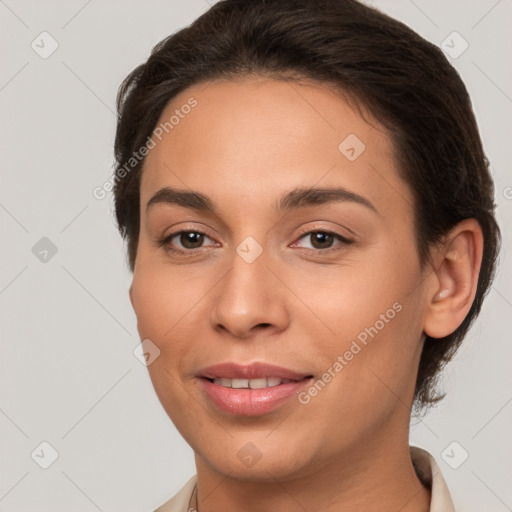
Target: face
[287, 300]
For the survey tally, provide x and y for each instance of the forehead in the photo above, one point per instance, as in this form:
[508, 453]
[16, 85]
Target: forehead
[253, 137]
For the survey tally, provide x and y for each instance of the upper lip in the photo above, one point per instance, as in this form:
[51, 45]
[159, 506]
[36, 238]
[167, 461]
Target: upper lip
[256, 370]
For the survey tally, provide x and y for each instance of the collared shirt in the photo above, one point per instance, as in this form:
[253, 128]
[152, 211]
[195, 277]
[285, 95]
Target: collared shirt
[424, 464]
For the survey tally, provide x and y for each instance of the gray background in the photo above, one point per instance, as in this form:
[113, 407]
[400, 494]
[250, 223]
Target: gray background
[68, 375]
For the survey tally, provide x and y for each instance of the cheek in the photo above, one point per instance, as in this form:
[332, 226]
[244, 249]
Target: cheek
[351, 297]
[170, 310]
[373, 312]
[161, 308]
[161, 298]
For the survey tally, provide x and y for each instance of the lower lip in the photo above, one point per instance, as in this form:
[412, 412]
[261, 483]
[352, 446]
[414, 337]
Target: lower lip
[251, 402]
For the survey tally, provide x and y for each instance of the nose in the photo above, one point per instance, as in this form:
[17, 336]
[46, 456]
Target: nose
[250, 299]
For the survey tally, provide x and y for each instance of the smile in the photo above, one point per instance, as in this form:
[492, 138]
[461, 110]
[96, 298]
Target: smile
[251, 383]
[250, 390]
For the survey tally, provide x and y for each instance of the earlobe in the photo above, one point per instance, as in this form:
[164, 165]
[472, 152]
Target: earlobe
[456, 279]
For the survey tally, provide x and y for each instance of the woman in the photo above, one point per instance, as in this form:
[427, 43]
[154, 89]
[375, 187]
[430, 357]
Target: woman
[310, 225]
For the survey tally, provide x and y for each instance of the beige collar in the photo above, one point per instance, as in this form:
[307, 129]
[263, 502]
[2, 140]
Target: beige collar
[426, 468]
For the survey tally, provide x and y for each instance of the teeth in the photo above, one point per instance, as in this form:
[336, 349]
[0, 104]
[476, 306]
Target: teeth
[239, 383]
[251, 383]
[258, 383]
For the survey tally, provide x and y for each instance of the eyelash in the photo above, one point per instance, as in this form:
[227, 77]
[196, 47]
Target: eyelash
[165, 242]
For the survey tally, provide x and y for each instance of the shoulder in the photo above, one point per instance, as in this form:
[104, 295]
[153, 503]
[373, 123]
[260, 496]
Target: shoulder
[430, 475]
[179, 502]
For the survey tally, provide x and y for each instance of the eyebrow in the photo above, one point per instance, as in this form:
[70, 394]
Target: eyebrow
[293, 200]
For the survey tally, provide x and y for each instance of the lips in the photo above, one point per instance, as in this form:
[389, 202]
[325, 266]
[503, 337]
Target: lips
[255, 370]
[250, 390]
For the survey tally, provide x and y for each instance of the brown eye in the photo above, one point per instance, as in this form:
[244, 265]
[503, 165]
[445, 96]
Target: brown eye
[321, 239]
[324, 241]
[191, 239]
[184, 241]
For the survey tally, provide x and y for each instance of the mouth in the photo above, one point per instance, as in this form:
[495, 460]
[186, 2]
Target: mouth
[261, 383]
[250, 390]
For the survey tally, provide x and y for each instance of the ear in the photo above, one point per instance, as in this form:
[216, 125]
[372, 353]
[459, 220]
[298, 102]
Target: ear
[455, 279]
[130, 293]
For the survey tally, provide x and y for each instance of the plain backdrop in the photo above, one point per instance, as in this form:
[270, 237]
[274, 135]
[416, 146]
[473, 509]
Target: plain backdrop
[68, 374]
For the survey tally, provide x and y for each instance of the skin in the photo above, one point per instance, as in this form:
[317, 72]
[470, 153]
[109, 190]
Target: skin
[245, 144]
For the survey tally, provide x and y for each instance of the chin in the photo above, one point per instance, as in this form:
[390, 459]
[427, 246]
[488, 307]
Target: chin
[255, 457]
[267, 471]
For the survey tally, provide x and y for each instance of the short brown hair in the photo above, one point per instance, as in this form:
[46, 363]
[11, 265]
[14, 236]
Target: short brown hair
[404, 81]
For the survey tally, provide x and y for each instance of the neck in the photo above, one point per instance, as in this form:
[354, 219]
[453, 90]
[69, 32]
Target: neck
[369, 478]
